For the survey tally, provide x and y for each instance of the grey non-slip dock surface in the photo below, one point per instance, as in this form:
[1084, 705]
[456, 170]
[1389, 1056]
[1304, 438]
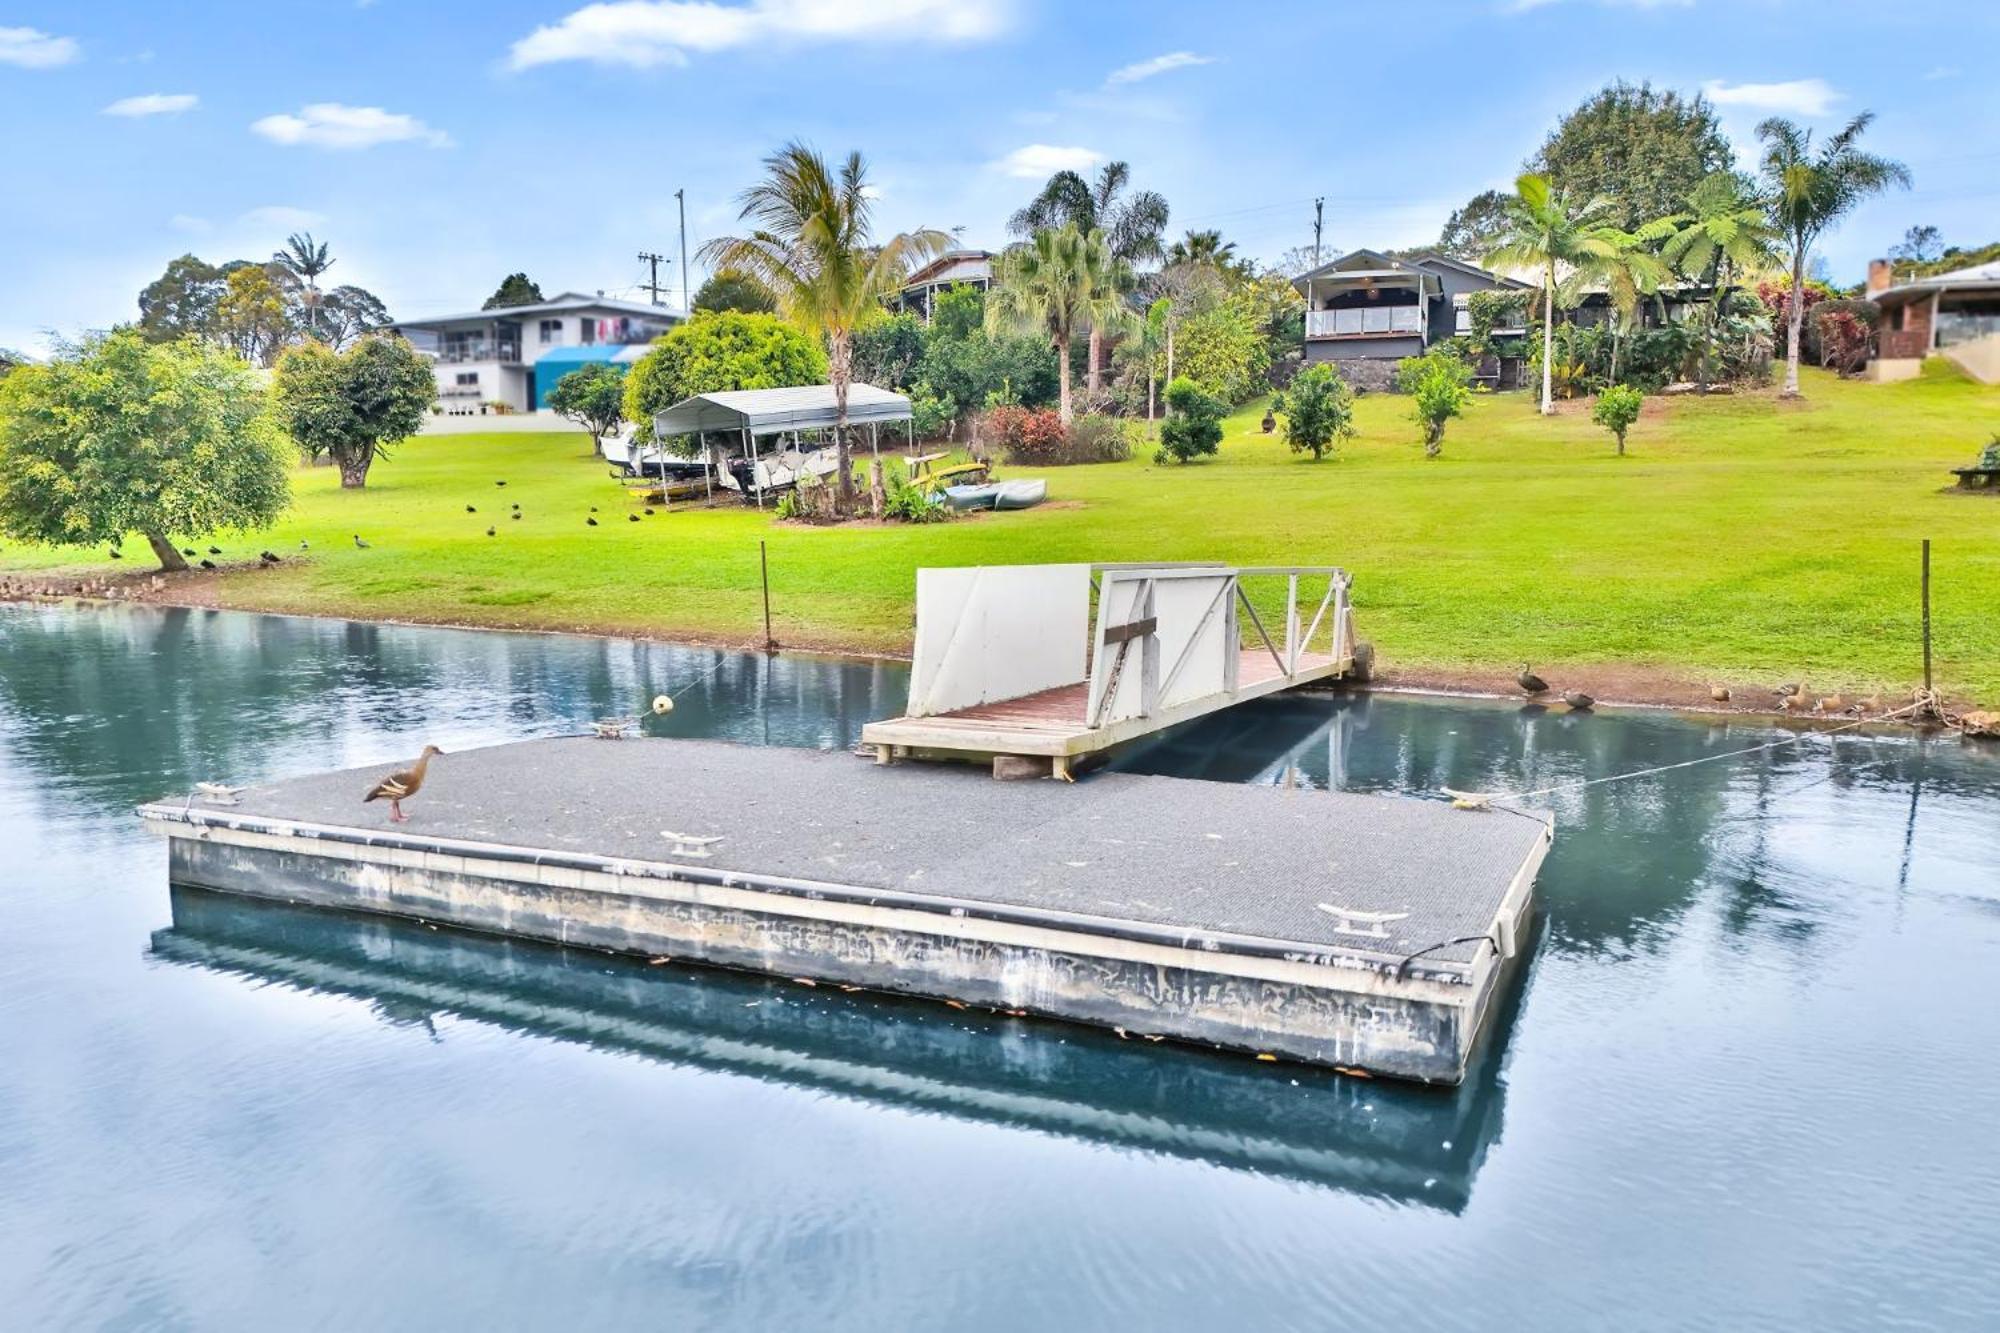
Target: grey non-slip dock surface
[1169, 851]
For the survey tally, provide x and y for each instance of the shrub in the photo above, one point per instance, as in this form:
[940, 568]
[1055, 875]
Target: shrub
[1437, 384]
[909, 503]
[1193, 427]
[1319, 410]
[931, 414]
[1842, 333]
[1617, 408]
[1989, 457]
[1098, 439]
[1654, 358]
[1026, 434]
[1224, 350]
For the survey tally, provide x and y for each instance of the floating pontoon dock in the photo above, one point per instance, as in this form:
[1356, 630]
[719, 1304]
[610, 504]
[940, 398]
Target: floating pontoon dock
[1012, 664]
[1357, 931]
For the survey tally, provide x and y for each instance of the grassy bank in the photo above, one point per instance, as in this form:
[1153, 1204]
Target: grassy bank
[1743, 538]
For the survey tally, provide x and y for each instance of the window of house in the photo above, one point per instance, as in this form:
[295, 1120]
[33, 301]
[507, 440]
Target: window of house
[1461, 314]
[468, 377]
[551, 331]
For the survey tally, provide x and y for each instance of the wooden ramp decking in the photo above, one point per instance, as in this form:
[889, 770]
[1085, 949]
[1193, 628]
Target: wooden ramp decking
[1052, 724]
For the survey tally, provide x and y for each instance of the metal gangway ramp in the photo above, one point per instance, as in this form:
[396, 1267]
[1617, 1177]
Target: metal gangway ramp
[1038, 666]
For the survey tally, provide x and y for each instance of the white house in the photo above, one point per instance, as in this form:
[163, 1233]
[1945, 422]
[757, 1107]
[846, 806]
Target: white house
[494, 357]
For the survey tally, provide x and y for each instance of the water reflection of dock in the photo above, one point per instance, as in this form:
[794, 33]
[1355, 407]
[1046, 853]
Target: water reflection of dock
[1404, 1144]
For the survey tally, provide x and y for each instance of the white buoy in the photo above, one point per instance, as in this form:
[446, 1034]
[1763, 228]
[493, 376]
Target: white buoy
[662, 704]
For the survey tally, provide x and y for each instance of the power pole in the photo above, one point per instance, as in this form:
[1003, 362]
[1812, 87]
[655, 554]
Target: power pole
[680, 197]
[1319, 218]
[648, 257]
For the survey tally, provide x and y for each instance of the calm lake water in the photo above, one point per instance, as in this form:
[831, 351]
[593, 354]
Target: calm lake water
[1748, 1079]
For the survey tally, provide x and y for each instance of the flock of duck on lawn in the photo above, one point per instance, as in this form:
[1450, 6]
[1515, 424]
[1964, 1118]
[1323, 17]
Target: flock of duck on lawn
[268, 558]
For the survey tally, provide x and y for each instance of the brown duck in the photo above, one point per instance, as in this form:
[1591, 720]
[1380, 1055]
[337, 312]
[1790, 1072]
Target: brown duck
[400, 787]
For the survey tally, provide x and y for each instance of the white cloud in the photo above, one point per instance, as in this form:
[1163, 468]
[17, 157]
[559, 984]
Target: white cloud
[1037, 160]
[153, 104]
[332, 125]
[1146, 69]
[1800, 97]
[31, 48]
[642, 34]
[283, 216]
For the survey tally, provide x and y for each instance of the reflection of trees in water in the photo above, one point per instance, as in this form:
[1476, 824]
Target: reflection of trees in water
[118, 705]
[1378, 1139]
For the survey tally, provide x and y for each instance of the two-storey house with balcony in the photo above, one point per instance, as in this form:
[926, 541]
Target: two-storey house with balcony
[512, 356]
[1365, 311]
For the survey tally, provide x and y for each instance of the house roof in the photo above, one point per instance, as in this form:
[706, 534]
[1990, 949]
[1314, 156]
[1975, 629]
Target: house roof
[772, 411]
[1977, 277]
[1367, 265]
[567, 301]
[952, 266]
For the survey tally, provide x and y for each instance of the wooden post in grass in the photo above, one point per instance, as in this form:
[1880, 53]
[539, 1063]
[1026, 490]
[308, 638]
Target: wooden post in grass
[764, 568]
[1927, 614]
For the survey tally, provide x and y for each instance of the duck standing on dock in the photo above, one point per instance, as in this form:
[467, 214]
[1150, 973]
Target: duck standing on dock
[400, 787]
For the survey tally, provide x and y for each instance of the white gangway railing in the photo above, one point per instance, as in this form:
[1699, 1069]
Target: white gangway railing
[1161, 637]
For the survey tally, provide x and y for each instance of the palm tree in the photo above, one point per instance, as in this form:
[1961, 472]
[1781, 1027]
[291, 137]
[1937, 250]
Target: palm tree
[1632, 271]
[1061, 280]
[811, 250]
[1134, 226]
[1204, 247]
[305, 259]
[1810, 192]
[1725, 231]
[1542, 229]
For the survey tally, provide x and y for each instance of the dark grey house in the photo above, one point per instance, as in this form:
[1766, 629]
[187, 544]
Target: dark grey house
[1366, 311]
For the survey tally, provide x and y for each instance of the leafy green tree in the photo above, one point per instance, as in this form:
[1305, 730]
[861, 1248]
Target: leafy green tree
[727, 290]
[182, 301]
[1546, 230]
[1225, 350]
[514, 289]
[305, 260]
[1439, 385]
[347, 312]
[118, 435]
[1809, 192]
[714, 351]
[1062, 280]
[813, 251]
[1318, 407]
[1632, 270]
[351, 406]
[1722, 232]
[1134, 228]
[1473, 229]
[1642, 149]
[253, 317]
[1617, 408]
[1193, 428]
[593, 396]
[887, 350]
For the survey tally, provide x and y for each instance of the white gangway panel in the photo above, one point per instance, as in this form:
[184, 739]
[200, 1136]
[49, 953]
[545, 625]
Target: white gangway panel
[994, 632]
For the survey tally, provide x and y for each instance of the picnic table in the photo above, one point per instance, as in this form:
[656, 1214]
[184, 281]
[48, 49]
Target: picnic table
[1977, 478]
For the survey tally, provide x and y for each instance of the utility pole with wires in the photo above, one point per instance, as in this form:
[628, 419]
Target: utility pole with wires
[648, 257]
[680, 197]
[1319, 220]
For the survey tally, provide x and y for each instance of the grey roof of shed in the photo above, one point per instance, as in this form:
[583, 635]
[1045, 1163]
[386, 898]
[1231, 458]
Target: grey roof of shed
[771, 411]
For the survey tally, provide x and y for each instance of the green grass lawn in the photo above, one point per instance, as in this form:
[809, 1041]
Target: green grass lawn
[1742, 538]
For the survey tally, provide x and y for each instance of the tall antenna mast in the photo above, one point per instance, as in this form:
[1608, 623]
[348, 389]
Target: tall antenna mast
[681, 197]
[1319, 217]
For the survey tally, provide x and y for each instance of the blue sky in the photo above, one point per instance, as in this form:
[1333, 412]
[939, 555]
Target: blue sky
[440, 144]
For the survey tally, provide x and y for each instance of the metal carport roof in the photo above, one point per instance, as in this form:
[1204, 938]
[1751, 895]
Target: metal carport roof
[774, 411]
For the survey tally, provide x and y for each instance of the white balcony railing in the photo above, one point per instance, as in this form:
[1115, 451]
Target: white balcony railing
[1362, 321]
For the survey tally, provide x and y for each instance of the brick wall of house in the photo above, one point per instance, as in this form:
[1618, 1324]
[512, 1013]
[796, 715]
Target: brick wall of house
[1913, 339]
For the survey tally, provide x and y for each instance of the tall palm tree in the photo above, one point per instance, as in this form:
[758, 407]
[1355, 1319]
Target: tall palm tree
[1567, 243]
[1134, 225]
[1632, 271]
[305, 259]
[812, 251]
[1812, 191]
[1061, 280]
[1725, 231]
[1204, 247]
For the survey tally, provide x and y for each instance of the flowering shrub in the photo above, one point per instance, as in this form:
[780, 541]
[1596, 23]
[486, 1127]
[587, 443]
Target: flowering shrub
[1026, 434]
